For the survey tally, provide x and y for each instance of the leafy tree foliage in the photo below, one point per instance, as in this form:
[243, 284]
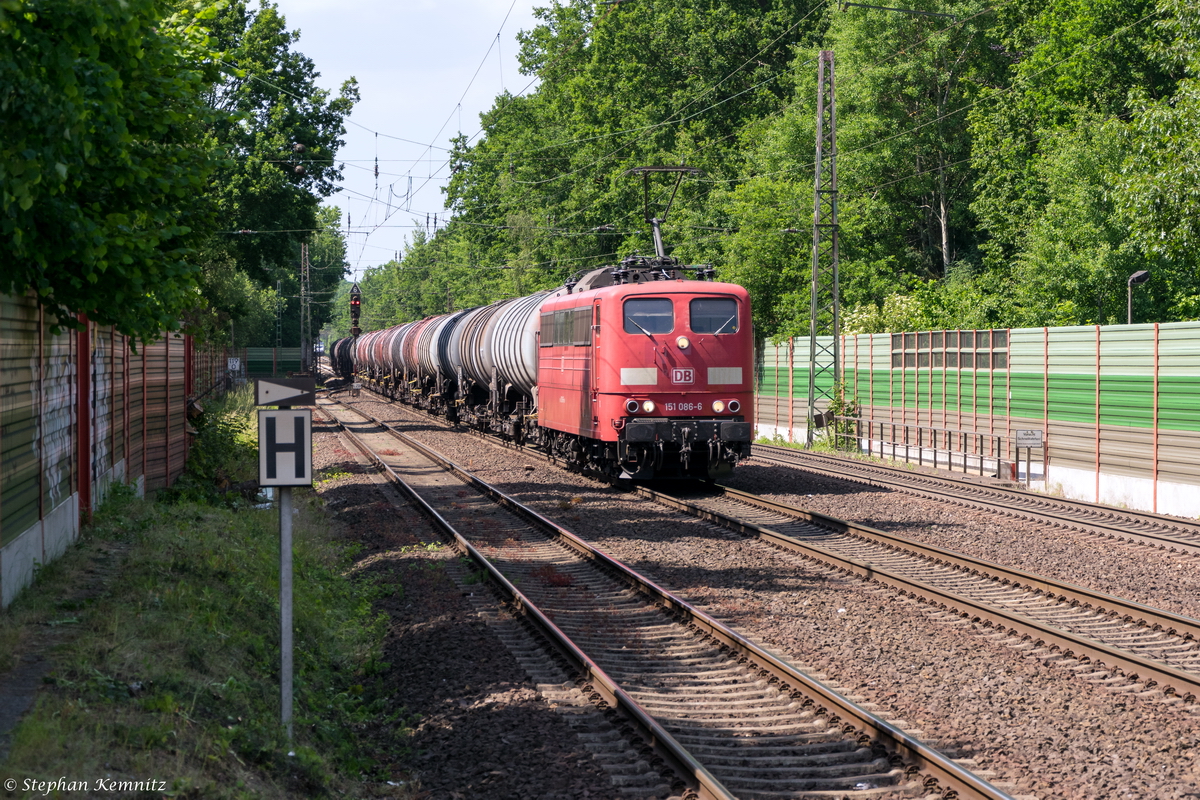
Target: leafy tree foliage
[281, 133]
[544, 192]
[104, 159]
[1049, 146]
[161, 163]
[1157, 187]
[999, 165]
[904, 165]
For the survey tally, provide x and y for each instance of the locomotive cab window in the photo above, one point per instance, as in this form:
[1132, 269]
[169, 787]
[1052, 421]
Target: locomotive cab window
[714, 315]
[649, 315]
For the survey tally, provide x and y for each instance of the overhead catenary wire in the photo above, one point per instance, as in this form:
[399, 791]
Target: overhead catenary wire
[458, 107]
[948, 114]
[960, 109]
[372, 199]
[429, 147]
[671, 120]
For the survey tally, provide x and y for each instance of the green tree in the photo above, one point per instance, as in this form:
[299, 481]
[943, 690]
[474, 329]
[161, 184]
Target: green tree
[1050, 140]
[905, 175]
[104, 160]
[281, 133]
[273, 108]
[1158, 189]
[544, 193]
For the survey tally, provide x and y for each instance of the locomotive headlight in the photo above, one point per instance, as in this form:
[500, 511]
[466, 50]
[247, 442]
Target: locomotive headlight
[735, 406]
[631, 406]
[718, 406]
[683, 343]
[648, 406]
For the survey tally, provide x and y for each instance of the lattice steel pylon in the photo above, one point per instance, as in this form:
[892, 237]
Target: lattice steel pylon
[824, 366]
[306, 365]
[278, 314]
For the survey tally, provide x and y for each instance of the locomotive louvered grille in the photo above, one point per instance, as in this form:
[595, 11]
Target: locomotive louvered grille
[572, 326]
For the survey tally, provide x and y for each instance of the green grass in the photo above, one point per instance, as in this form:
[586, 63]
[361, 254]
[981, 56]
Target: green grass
[162, 623]
[329, 476]
[822, 443]
[777, 440]
[224, 453]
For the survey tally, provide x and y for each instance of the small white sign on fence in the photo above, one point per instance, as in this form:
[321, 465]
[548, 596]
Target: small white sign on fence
[1029, 439]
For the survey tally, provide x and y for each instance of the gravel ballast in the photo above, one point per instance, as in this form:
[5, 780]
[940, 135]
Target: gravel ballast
[1030, 717]
[468, 721]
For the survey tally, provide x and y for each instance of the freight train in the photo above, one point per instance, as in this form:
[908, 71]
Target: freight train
[640, 370]
[637, 371]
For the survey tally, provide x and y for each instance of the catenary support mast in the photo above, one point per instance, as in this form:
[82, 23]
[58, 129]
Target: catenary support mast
[306, 365]
[824, 368]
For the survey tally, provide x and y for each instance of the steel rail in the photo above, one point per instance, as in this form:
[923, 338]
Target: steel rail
[694, 774]
[967, 493]
[1157, 619]
[1181, 682]
[1169, 622]
[943, 774]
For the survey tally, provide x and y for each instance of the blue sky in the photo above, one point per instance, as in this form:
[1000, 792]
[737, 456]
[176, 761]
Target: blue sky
[414, 61]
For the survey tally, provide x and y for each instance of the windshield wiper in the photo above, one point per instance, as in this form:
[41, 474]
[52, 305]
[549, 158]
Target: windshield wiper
[640, 328]
[726, 322]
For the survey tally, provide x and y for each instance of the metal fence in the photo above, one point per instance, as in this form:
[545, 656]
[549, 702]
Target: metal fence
[262, 362]
[1118, 406]
[78, 411]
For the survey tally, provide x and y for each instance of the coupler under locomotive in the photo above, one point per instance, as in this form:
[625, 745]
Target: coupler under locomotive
[673, 447]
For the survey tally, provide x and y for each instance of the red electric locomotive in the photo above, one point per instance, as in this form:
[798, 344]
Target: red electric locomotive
[644, 372]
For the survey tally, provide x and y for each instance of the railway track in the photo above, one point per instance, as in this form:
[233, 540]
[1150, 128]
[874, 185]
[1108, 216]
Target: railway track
[1155, 648]
[1151, 648]
[729, 718]
[1157, 530]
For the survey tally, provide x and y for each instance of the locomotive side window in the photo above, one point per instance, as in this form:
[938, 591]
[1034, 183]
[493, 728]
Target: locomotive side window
[714, 315]
[649, 315]
[581, 325]
[572, 326]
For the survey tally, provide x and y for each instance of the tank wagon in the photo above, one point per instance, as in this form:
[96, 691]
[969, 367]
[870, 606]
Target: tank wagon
[638, 370]
[341, 358]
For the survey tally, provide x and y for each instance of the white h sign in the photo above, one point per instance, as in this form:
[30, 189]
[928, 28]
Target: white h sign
[285, 447]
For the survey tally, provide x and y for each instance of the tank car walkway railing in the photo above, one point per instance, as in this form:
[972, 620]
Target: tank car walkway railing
[971, 452]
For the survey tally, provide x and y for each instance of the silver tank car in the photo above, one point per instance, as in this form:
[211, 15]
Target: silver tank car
[513, 344]
[474, 337]
[395, 351]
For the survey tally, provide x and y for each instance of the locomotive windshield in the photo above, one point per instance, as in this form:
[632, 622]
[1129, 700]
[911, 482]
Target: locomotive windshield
[714, 315]
[649, 315]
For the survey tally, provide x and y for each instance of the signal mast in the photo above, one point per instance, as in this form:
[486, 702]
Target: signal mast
[355, 309]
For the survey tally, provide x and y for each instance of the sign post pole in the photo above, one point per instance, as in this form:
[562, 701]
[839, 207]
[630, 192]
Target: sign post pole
[285, 608]
[1029, 439]
[284, 464]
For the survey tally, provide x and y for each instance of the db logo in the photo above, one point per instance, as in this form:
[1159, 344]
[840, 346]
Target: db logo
[683, 376]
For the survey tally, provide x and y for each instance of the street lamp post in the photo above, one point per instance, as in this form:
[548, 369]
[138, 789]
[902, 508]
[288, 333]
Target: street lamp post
[1141, 276]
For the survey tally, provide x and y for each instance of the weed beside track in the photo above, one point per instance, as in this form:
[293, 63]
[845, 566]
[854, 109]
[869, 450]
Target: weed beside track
[161, 627]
